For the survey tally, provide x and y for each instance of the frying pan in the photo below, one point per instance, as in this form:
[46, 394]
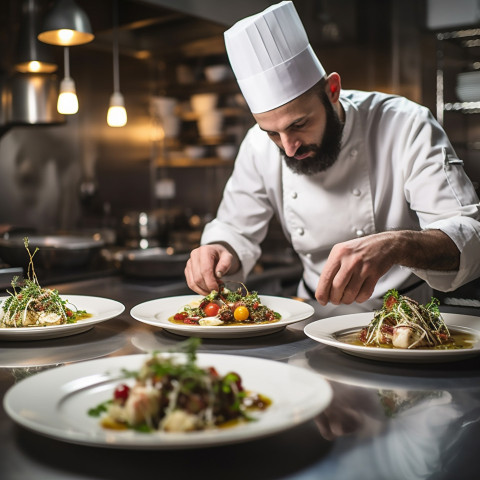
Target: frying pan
[54, 251]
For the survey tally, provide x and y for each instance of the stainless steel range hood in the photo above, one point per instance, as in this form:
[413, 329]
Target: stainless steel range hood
[30, 99]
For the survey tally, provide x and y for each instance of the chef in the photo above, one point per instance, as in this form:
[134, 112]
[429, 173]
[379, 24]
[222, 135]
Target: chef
[366, 186]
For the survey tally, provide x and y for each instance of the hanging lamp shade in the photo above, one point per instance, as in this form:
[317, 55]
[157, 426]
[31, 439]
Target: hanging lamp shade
[32, 56]
[66, 24]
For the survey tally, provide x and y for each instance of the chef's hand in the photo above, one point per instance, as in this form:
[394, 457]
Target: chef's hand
[353, 268]
[207, 265]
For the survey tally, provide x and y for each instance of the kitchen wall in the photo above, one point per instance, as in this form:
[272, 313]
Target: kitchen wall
[86, 174]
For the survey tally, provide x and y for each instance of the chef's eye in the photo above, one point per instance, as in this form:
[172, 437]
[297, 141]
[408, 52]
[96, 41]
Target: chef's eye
[272, 134]
[299, 126]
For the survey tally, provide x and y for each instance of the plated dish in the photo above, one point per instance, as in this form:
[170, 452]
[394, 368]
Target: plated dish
[158, 313]
[172, 393]
[100, 310]
[229, 307]
[402, 322]
[330, 330]
[61, 411]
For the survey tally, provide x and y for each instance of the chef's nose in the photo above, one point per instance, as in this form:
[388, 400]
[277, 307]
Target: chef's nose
[290, 144]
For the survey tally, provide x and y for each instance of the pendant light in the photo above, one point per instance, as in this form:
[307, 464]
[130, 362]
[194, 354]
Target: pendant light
[31, 55]
[117, 115]
[67, 103]
[66, 25]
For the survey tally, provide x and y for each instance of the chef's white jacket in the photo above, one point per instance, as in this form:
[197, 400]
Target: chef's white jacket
[396, 170]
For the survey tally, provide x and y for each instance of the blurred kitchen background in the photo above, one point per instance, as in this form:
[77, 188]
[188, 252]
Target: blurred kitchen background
[154, 182]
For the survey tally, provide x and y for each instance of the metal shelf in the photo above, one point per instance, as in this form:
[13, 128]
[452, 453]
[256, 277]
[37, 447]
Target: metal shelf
[466, 36]
[465, 107]
[465, 39]
[184, 162]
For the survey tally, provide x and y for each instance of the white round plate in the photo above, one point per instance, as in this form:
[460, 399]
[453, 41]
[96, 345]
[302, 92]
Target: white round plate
[101, 309]
[157, 313]
[326, 331]
[61, 410]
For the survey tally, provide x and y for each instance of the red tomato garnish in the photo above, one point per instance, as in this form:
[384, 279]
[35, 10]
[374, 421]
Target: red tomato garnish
[69, 312]
[191, 321]
[211, 309]
[121, 392]
[390, 302]
[180, 316]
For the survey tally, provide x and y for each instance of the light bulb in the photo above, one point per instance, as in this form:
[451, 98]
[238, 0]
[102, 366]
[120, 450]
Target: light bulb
[67, 103]
[117, 115]
[65, 36]
[35, 66]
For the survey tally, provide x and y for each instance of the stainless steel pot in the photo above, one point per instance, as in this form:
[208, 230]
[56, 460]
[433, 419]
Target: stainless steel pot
[54, 251]
[154, 263]
[153, 227]
[32, 99]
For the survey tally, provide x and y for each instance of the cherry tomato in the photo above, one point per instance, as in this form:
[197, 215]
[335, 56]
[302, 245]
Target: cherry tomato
[241, 313]
[211, 309]
[121, 392]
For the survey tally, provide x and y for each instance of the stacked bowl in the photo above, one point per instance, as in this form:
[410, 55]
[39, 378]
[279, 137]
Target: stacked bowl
[468, 86]
[209, 118]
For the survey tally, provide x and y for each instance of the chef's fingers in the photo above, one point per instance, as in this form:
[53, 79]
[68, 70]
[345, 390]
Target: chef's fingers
[352, 283]
[367, 289]
[323, 291]
[224, 264]
[200, 270]
[358, 290]
[198, 286]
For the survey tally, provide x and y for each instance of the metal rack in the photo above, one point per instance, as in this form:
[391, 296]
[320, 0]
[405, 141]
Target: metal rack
[465, 39]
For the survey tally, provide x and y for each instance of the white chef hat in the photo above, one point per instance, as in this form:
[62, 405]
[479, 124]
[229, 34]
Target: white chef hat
[272, 58]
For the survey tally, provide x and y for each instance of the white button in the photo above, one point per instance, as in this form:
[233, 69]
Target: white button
[300, 231]
[356, 192]
[360, 233]
[308, 255]
[294, 195]
[354, 153]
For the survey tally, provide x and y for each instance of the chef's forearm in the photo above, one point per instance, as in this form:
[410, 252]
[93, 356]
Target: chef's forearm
[427, 250]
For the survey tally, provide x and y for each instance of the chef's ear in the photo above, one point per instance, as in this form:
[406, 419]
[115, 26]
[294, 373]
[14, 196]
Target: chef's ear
[333, 86]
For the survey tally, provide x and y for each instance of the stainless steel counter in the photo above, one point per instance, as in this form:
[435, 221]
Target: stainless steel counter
[386, 420]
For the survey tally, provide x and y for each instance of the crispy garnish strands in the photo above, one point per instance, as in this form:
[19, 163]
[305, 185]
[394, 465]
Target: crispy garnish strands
[31, 269]
[400, 310]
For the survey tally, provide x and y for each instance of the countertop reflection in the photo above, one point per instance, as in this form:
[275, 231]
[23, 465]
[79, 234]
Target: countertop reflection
[393, 421]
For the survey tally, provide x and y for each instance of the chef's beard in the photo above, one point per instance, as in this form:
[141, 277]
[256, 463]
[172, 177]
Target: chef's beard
[326, 153]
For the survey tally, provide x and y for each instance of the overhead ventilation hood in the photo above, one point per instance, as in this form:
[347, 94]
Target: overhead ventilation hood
[29, 99]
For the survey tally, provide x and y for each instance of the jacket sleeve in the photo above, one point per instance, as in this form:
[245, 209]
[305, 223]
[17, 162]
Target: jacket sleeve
[444, 198]
[245, 210]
